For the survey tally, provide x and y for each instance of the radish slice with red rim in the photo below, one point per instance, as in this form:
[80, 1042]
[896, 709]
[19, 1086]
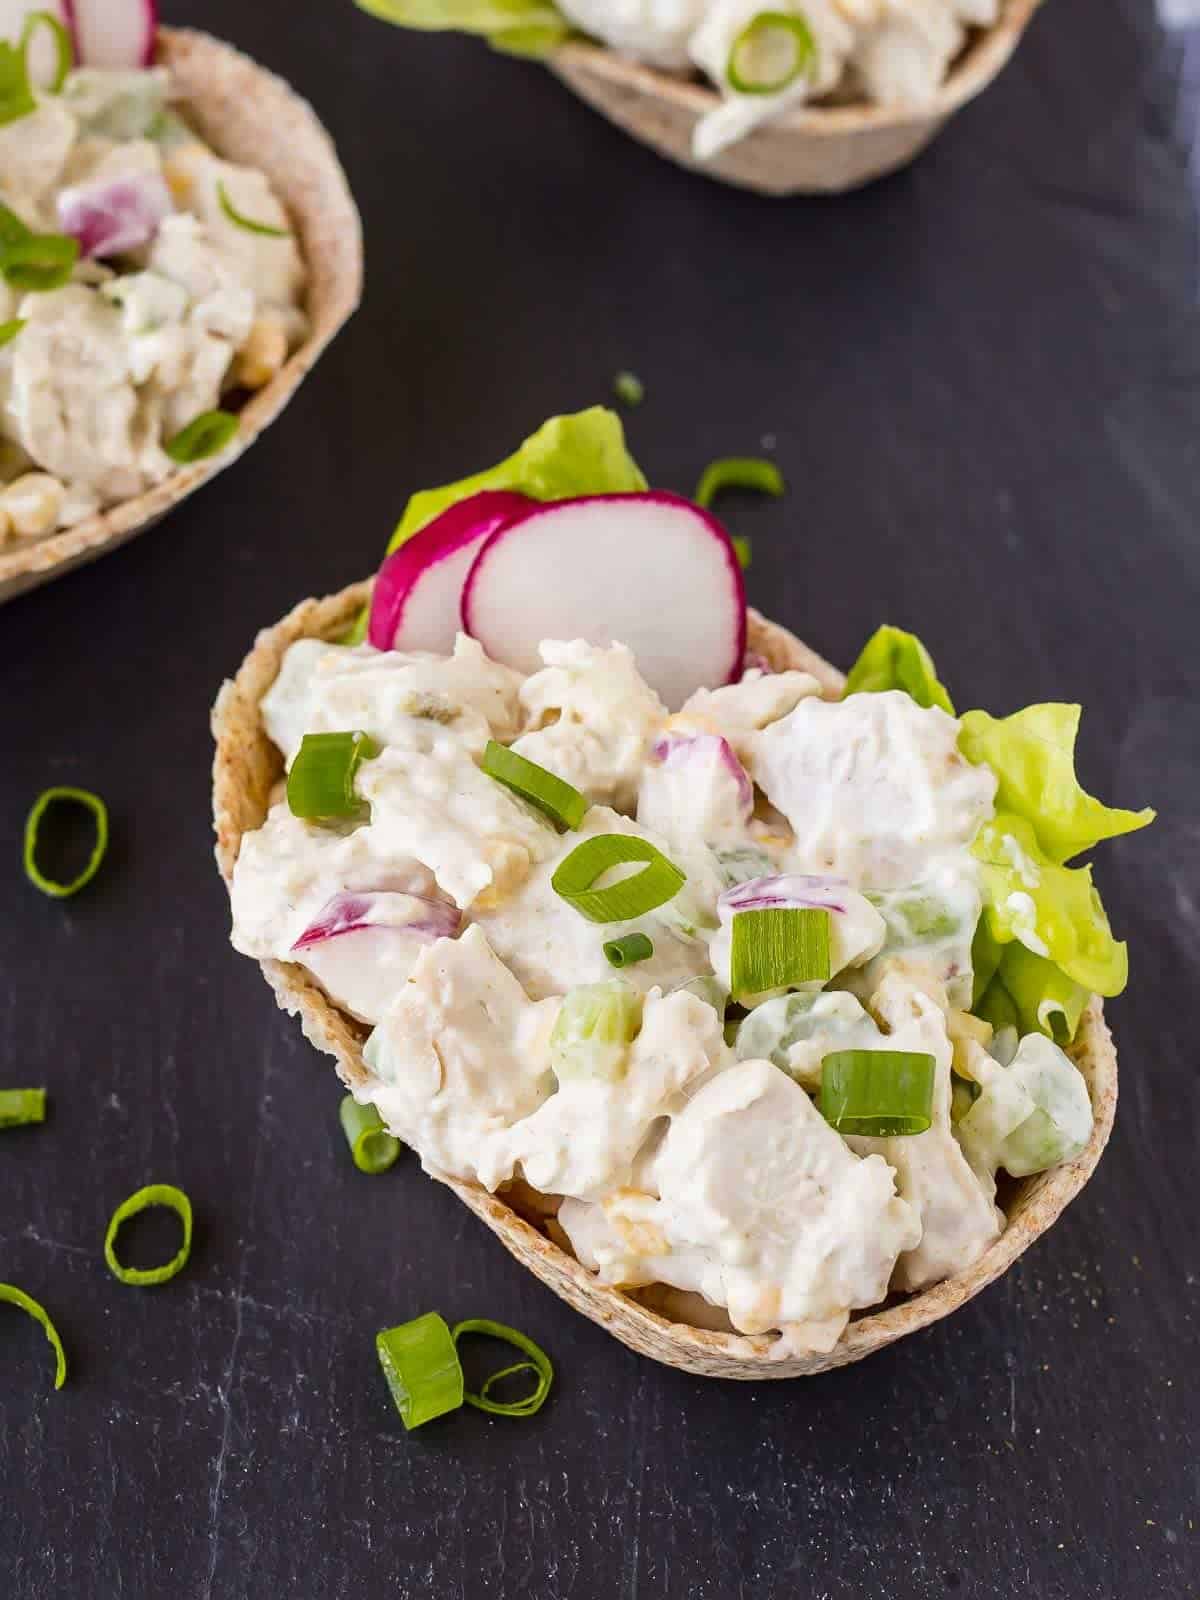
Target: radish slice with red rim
[417, 599]
[113, 33]
[651, 571]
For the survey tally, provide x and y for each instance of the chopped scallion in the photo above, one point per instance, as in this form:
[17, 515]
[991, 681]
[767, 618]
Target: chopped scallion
[11, 1295]
[778, 947]
[770, 53]
[16, 96]
[421, 1365]
[741, 549]
[241, 221]
[538, 1362]
[65, 55]
[738, 472]
[374, 1149]
[879, 1094]
[629, 949]
[154, 1194]
[659, 881]
[321, 780]
[33, 823]
[629, 389]
[205, 435]
[20, 1107]
[558, 800]
[9, 330]
[40, 261]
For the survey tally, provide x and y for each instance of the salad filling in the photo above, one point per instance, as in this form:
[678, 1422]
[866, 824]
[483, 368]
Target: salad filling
[143, 281]
[852, 954]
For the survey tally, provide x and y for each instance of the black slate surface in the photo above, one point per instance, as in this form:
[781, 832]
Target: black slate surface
[981, 380]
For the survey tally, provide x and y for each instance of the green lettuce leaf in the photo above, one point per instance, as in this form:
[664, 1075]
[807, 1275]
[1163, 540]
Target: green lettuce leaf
[1031, 994]
[893, 659]
[1053, 910]
[1032, 754]
[518, 27]
[583, 453]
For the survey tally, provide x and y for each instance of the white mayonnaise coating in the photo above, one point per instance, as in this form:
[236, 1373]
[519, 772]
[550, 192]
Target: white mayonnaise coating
[958, 1219]
[797, 1031]
[656, 31]
[1031, 1114]
[460, 1056]
[327, 688]
[695, 792]
[591, 718]
[738, 711]
[874, 787]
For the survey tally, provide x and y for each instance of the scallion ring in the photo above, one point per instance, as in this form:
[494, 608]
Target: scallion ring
[778, 947]
[321, 780]
[878, 1094]
[741, 549]
[21, 1107]
[241, 221]
[538, 1362]
[154, 1194]
[12, 229]
[555, 798]
[11, 1295]
[205, 435]
[629, 389]
[738, 472]
[659, 881]
[33, 822]
[374, 1149]
[16, 95]
[770, 53]
[9, 330]
[628, 950]
[421, 1365]
[40, 262]
[62, 45]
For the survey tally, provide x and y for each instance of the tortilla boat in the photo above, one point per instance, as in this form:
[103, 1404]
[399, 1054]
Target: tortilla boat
[818, 149]
[247, 766]
[249, 115]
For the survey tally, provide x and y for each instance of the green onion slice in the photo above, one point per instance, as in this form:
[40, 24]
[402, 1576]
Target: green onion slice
[12, 229]
[629, 388]
[628, 950]
[881, 1094]
[10, 330]
[538, 1362]
[770, 53]
[16, 96]
[39, 262]
[560, 801]
[236, 217]
[777, 947]
[738, 472]
[62, 45]
[374, 1149]
[657, 883]
[154, 1194]
[11, 1295]
[20, 1107]
[321, 780]
[741, 549]
[33, 822]
[205, 435]
[421, 1365]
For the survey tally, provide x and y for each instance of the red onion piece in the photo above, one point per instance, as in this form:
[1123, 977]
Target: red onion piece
[112, 215]
[788, 889]
[677, 750]
[350, 911]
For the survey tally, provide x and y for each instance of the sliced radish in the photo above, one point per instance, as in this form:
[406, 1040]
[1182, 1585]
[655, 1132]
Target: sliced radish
[113, 215]
[113, 33]
[416, 602]
[43, 53]
[651, 571]
[362, 947]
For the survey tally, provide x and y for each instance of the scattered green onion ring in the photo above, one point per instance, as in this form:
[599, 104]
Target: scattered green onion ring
[154, 1194]
[11, 1295]
[738, 472]
[33, 822]
[558, 800]
[236, 217]
[538, 1362]
[632, 897]
[741, 549]
[9, 330]
[628, 950]
[760, 26]
[21, 1107]
[421, 1365]
[205, 435]
[321, 780]
[16, 96]
[12, 229]
[778, 946]
[629, 388]
[880, 1094]
[374, 1149]
[62, 45]
[40, 262]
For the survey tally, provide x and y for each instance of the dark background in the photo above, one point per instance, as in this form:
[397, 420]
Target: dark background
[981, 379]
